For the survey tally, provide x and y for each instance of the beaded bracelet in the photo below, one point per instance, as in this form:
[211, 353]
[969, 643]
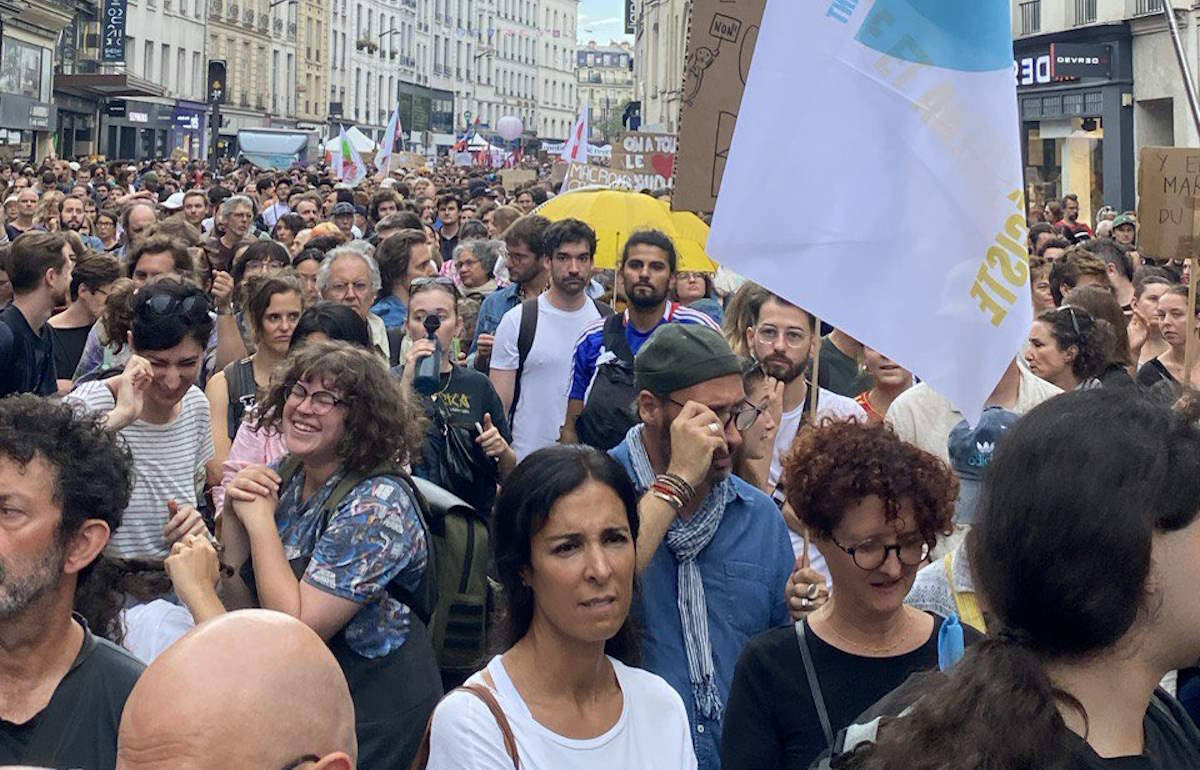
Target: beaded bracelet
[667, 498]
[674, 484]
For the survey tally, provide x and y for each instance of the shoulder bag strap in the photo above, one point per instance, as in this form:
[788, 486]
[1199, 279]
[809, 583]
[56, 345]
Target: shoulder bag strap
[489, 699]
[814, 686]
[615, 339]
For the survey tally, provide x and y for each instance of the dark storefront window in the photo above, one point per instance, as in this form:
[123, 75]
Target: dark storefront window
[23, 71]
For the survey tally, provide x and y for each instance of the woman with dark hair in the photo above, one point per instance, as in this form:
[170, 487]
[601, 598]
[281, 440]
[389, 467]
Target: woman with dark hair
[874, 506]
[752, 460]
[333, 535]
[286, 227]
[106, 229]
[1068, 347]
[1173, 323]
[692, 285]
[273, 307]
[1090, 586]
[322, 322]
[308, 264]
[563, 535]
[1119, 358]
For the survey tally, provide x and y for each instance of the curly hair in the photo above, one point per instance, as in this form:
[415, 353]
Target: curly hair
[837, 463]
[384, 421]
[1075, 327]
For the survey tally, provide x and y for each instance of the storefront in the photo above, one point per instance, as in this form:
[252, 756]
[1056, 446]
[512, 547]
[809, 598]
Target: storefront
[189, 122]
[1075, 97]
[27, 117]
[427, 113]
[137, 130]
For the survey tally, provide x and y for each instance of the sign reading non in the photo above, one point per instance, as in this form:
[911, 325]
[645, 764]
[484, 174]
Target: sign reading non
[216, 81]
[648, 159]
[1075, 60]
[1168, 194]
[112, 43]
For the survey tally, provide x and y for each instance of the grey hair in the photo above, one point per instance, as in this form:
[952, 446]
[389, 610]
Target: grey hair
[486, 251]
[233, 201]
[347, 251]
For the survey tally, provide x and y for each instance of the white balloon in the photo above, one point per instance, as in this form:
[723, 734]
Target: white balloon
[510, 127]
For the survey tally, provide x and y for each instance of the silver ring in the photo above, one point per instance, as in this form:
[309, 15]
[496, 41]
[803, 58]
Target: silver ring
[712, 426]
[812, 592]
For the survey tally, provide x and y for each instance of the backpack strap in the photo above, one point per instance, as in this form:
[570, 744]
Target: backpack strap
[814, 686]
[528, 329]
[239, 382]
[395, 336]
[615, 339]
[604, 309]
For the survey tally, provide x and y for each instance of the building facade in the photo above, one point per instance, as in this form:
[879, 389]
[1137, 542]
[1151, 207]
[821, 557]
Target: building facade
[555, 90]
[28, 117]
[1096, 81]
[605, 85]
[314, 61]
[239, 33]
[659, 51]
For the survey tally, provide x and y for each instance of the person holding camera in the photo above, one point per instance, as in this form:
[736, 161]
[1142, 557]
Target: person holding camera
[466, 449]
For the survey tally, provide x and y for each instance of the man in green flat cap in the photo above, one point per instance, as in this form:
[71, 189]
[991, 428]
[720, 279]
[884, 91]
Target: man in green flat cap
[712, 550]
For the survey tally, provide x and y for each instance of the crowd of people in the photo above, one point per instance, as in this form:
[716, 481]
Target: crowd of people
[294, 474]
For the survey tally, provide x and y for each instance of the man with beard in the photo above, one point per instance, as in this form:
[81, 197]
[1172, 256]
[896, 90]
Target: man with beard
[1070, 226]
[529, 271]
[531, 362]
[70, 217]
[711, 549]
[647, 268]
[781, 337]
[64, 482]
[39, 266]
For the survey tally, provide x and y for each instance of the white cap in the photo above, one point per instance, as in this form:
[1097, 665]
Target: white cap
[73, 166]
[174, 201]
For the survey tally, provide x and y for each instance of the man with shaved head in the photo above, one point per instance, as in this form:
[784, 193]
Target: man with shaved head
[252, 689]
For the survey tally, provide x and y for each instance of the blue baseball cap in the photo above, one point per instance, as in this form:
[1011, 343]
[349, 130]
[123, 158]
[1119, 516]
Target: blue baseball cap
[971, 451]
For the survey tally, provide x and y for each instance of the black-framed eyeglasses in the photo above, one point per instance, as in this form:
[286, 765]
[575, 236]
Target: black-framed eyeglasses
[871, 554]
[195, 306]
[743, 415]
[321, 402]
[304, 760]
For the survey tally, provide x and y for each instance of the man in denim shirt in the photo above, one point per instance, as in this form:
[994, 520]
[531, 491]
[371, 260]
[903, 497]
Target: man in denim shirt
[713, 551]
[529, 267]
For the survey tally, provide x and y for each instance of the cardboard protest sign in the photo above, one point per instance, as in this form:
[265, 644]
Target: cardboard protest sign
[512, 178]
[413, 160]
[1168, 191]
[588, 175]
[464, 159]
[648, 159]
[557, 174]
[721, 39]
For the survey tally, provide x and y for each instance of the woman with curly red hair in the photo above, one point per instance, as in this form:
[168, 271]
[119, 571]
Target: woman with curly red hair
[874, 505]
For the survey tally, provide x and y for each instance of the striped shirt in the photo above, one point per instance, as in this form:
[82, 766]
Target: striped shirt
[590, 351]
[168, 464]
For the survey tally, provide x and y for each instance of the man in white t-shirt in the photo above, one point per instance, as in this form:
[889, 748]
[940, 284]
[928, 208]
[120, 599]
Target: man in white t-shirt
[535, 390]
[782, 337]
[163, 418]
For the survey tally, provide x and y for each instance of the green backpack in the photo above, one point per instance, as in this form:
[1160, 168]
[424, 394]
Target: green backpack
[452, 599]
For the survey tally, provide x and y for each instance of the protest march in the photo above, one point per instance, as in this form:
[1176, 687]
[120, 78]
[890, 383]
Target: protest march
[869, 441]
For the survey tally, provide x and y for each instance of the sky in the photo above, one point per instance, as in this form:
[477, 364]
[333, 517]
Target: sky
[602, 20]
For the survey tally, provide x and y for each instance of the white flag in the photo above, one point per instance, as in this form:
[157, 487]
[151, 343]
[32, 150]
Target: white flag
[887, 197]
[348, 165]
[575, 149]
[388, 145]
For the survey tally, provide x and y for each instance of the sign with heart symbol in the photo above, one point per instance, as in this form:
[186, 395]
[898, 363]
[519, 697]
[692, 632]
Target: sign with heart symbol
[647, 158]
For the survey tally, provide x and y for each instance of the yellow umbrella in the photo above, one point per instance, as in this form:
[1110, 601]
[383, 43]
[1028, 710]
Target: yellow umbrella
[615, 214]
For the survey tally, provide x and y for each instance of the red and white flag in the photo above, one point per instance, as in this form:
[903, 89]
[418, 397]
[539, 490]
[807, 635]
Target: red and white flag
[575, 149]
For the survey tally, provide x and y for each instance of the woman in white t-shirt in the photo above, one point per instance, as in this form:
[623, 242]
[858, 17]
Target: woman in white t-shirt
[565, 529]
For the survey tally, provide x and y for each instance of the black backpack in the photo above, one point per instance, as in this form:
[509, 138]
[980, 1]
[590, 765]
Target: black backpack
[525, 334]
[609, 412]
[452, 599]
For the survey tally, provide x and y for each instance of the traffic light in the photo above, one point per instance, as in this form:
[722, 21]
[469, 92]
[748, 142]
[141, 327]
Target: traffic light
[216, 81]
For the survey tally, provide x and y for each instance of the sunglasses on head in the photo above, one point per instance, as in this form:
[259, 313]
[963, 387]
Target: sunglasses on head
[193, 306]
[425, 283]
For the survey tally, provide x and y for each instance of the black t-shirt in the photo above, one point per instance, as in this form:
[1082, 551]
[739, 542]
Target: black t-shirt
[26, 359]
[68, 349]
[78, 727]
[771, 721]
[1172, 742]
[466, 396]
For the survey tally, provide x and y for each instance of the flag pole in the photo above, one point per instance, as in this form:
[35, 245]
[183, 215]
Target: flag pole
[1189, 84]
[814, 387]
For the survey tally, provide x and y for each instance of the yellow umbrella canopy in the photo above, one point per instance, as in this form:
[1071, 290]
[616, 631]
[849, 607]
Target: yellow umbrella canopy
[615, 214]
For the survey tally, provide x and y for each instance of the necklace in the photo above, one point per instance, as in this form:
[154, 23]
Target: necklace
[860, 646]
[449, 379]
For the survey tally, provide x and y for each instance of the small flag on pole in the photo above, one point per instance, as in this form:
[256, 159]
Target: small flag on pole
[392, 141]
[575, 149]
[348, 165]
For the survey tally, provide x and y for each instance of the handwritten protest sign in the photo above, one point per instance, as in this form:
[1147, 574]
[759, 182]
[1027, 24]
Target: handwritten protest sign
[721, 40]
[1168, 191]
[648, 159]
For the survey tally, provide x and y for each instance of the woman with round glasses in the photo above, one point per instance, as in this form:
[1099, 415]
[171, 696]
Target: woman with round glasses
[332, 534]
[873, 505]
